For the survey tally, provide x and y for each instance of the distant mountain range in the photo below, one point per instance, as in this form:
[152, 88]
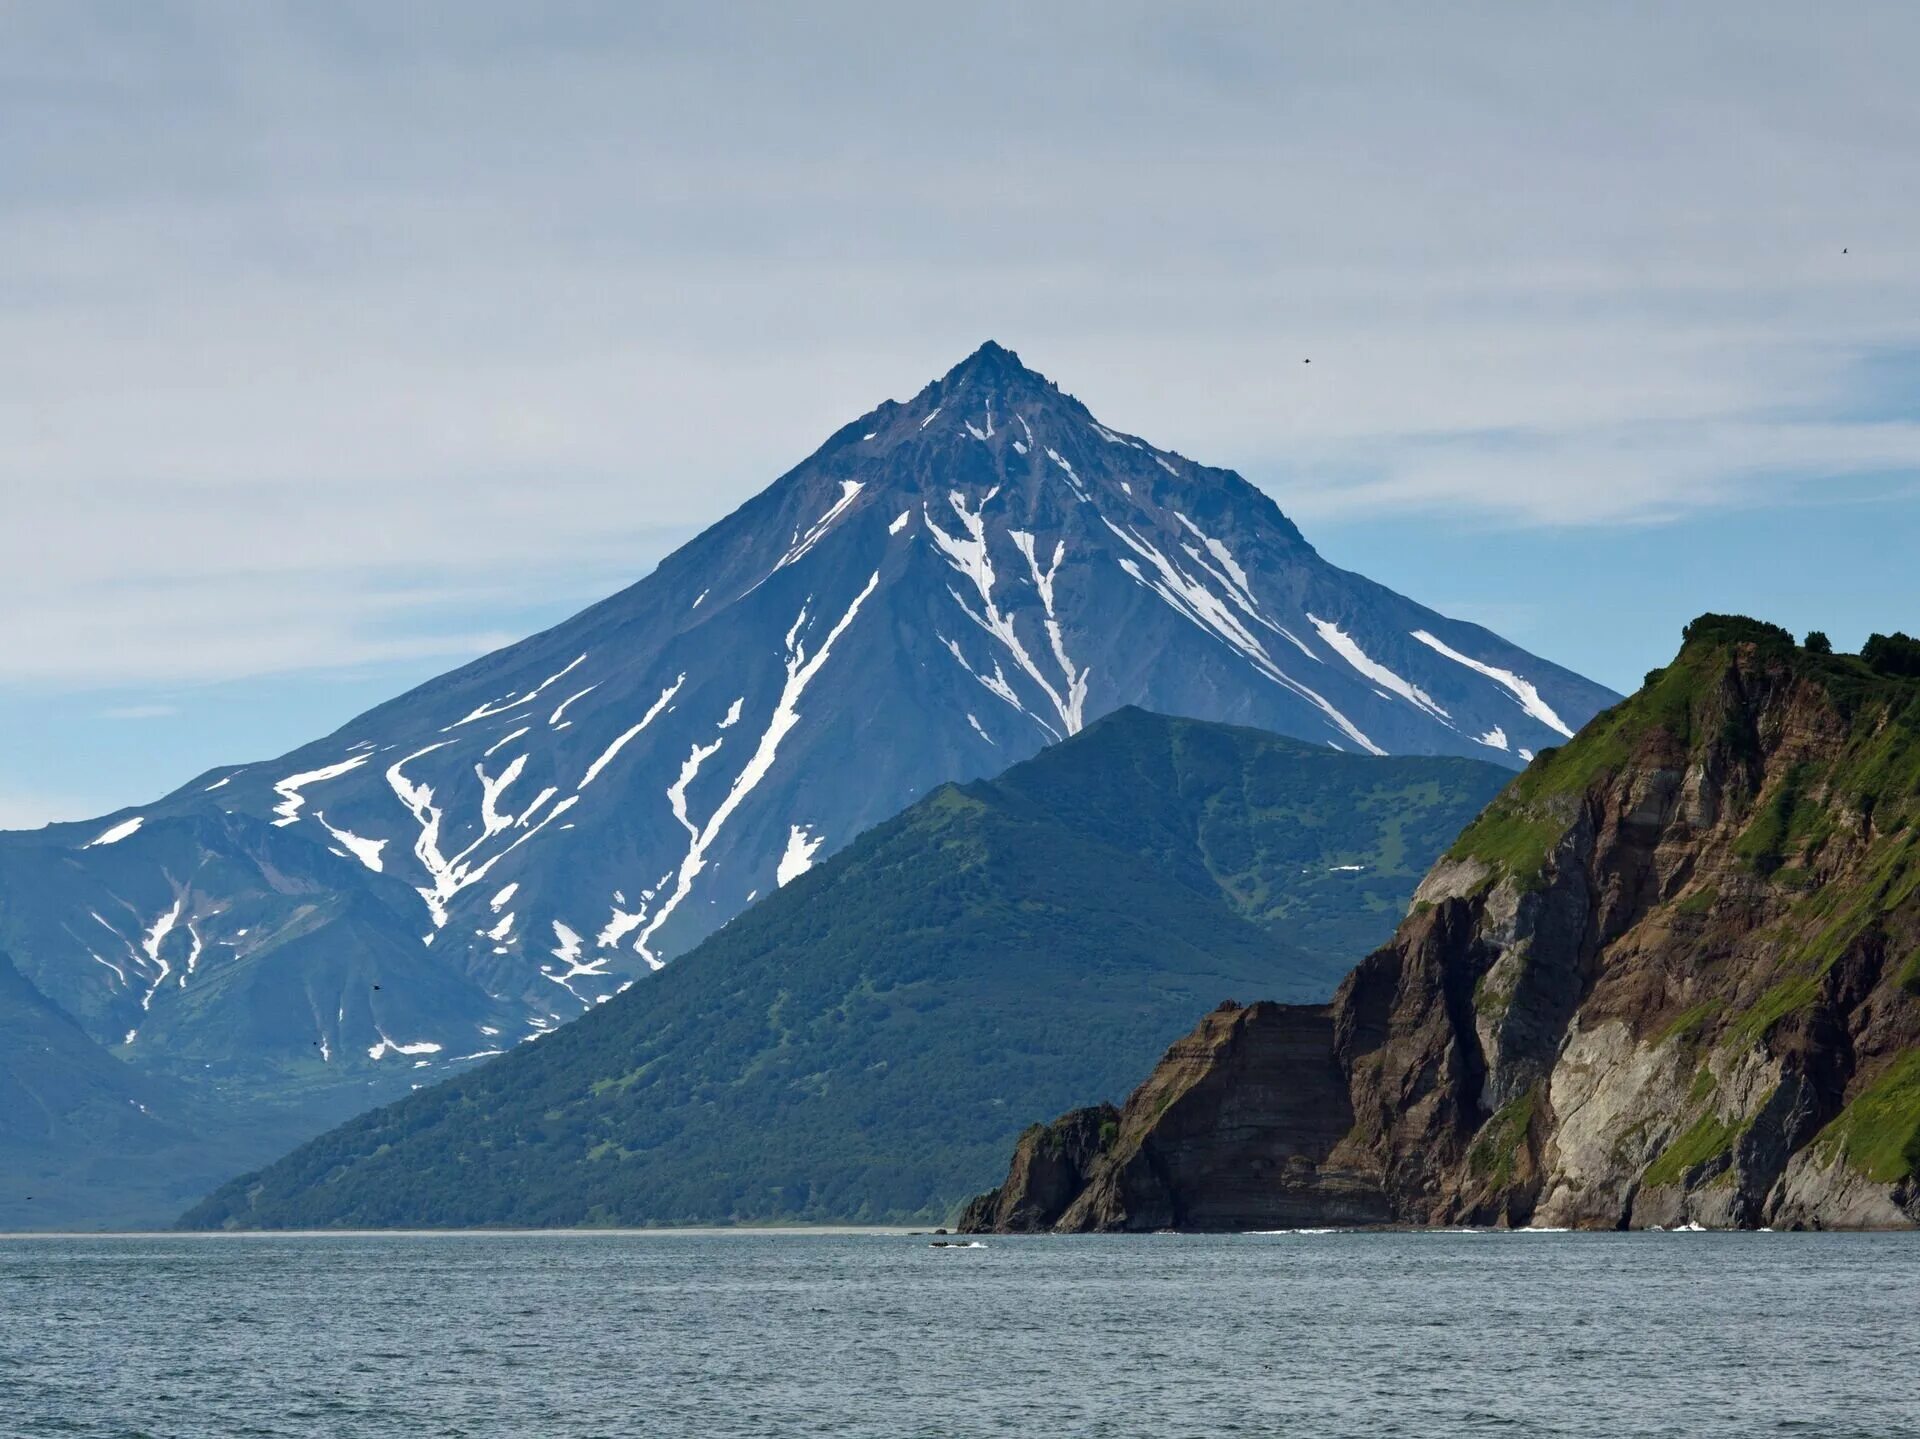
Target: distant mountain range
[865, 1043]
[944, 588]
[1669, 978]
[89, 1140]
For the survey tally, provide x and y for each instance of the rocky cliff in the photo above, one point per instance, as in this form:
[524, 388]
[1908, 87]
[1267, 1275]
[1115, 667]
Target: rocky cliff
[1670, 976]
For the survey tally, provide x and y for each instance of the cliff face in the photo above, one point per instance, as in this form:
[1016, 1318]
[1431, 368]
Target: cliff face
[1671, 975]
[1235, 1129]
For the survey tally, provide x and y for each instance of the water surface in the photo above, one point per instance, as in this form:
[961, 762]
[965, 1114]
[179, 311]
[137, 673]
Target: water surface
[566, 1336]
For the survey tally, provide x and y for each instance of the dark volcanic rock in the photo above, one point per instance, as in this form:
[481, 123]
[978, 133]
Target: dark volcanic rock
[1051, 1166]
[1234, 1130]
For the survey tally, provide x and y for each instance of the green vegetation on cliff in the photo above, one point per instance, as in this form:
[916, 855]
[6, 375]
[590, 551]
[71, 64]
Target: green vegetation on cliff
[867, 1043]
[1814, 762]
[1707, 1139]
[1855, 778]
[1879, 1133]
[1694, 705]
[1496, 1151]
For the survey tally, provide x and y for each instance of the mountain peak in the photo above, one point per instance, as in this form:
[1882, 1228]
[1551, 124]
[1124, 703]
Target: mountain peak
[992, 370]
[993, 360]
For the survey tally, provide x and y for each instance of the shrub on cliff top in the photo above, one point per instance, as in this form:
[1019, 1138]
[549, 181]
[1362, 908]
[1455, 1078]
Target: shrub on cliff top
[1733, 629]
[1894, 654]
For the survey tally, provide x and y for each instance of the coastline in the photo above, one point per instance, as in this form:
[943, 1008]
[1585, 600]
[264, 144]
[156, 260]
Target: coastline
[688, 1232]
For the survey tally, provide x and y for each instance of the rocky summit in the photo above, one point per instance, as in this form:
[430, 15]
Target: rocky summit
[1670, 977]
[945, 587]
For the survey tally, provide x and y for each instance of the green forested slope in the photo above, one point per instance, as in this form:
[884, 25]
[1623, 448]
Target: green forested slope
[864, 1044]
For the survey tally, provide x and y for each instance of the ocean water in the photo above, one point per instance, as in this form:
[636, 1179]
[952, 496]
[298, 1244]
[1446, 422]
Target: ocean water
[567, 1336]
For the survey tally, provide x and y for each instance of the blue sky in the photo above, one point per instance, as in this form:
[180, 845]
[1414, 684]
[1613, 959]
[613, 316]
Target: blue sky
[343, 343]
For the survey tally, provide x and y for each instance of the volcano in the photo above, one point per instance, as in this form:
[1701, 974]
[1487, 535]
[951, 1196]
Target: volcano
[945, 587]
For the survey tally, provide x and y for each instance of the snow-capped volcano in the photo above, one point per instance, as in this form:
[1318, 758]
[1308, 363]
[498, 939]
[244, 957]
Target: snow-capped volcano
[947, 585]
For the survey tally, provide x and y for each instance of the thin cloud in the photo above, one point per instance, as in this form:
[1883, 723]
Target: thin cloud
[333, 334]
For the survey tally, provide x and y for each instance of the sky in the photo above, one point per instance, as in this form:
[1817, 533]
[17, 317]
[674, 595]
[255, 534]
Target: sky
[339, 344]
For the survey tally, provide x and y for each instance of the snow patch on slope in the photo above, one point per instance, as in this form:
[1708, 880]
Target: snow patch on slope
[968, 554]
[504, 741]
[801, 847]
[1199, 604]
[568, 952]
[995, 683]
[1225, 570]
[1073, 708]
[150, 944]
[367, 851]
[501, 706]
[115, 833]
[289, 788]
[1073, 480]
[849, 491]
[449, 876]
[388, 1046]
[561, 708]
[491, 788]
[607, 755]
[1521, 689]
[1348, 648]
[801, 667]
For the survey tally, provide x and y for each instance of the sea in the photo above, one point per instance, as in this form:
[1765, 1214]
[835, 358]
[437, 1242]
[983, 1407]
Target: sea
[595, 1335]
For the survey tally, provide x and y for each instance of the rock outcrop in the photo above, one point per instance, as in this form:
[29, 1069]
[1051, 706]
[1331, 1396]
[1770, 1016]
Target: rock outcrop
[1670, 976]
[1051, 1166]
[1235, 1129]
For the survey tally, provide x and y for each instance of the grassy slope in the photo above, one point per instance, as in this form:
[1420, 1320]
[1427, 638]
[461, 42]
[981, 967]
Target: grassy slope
[868, 1042]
